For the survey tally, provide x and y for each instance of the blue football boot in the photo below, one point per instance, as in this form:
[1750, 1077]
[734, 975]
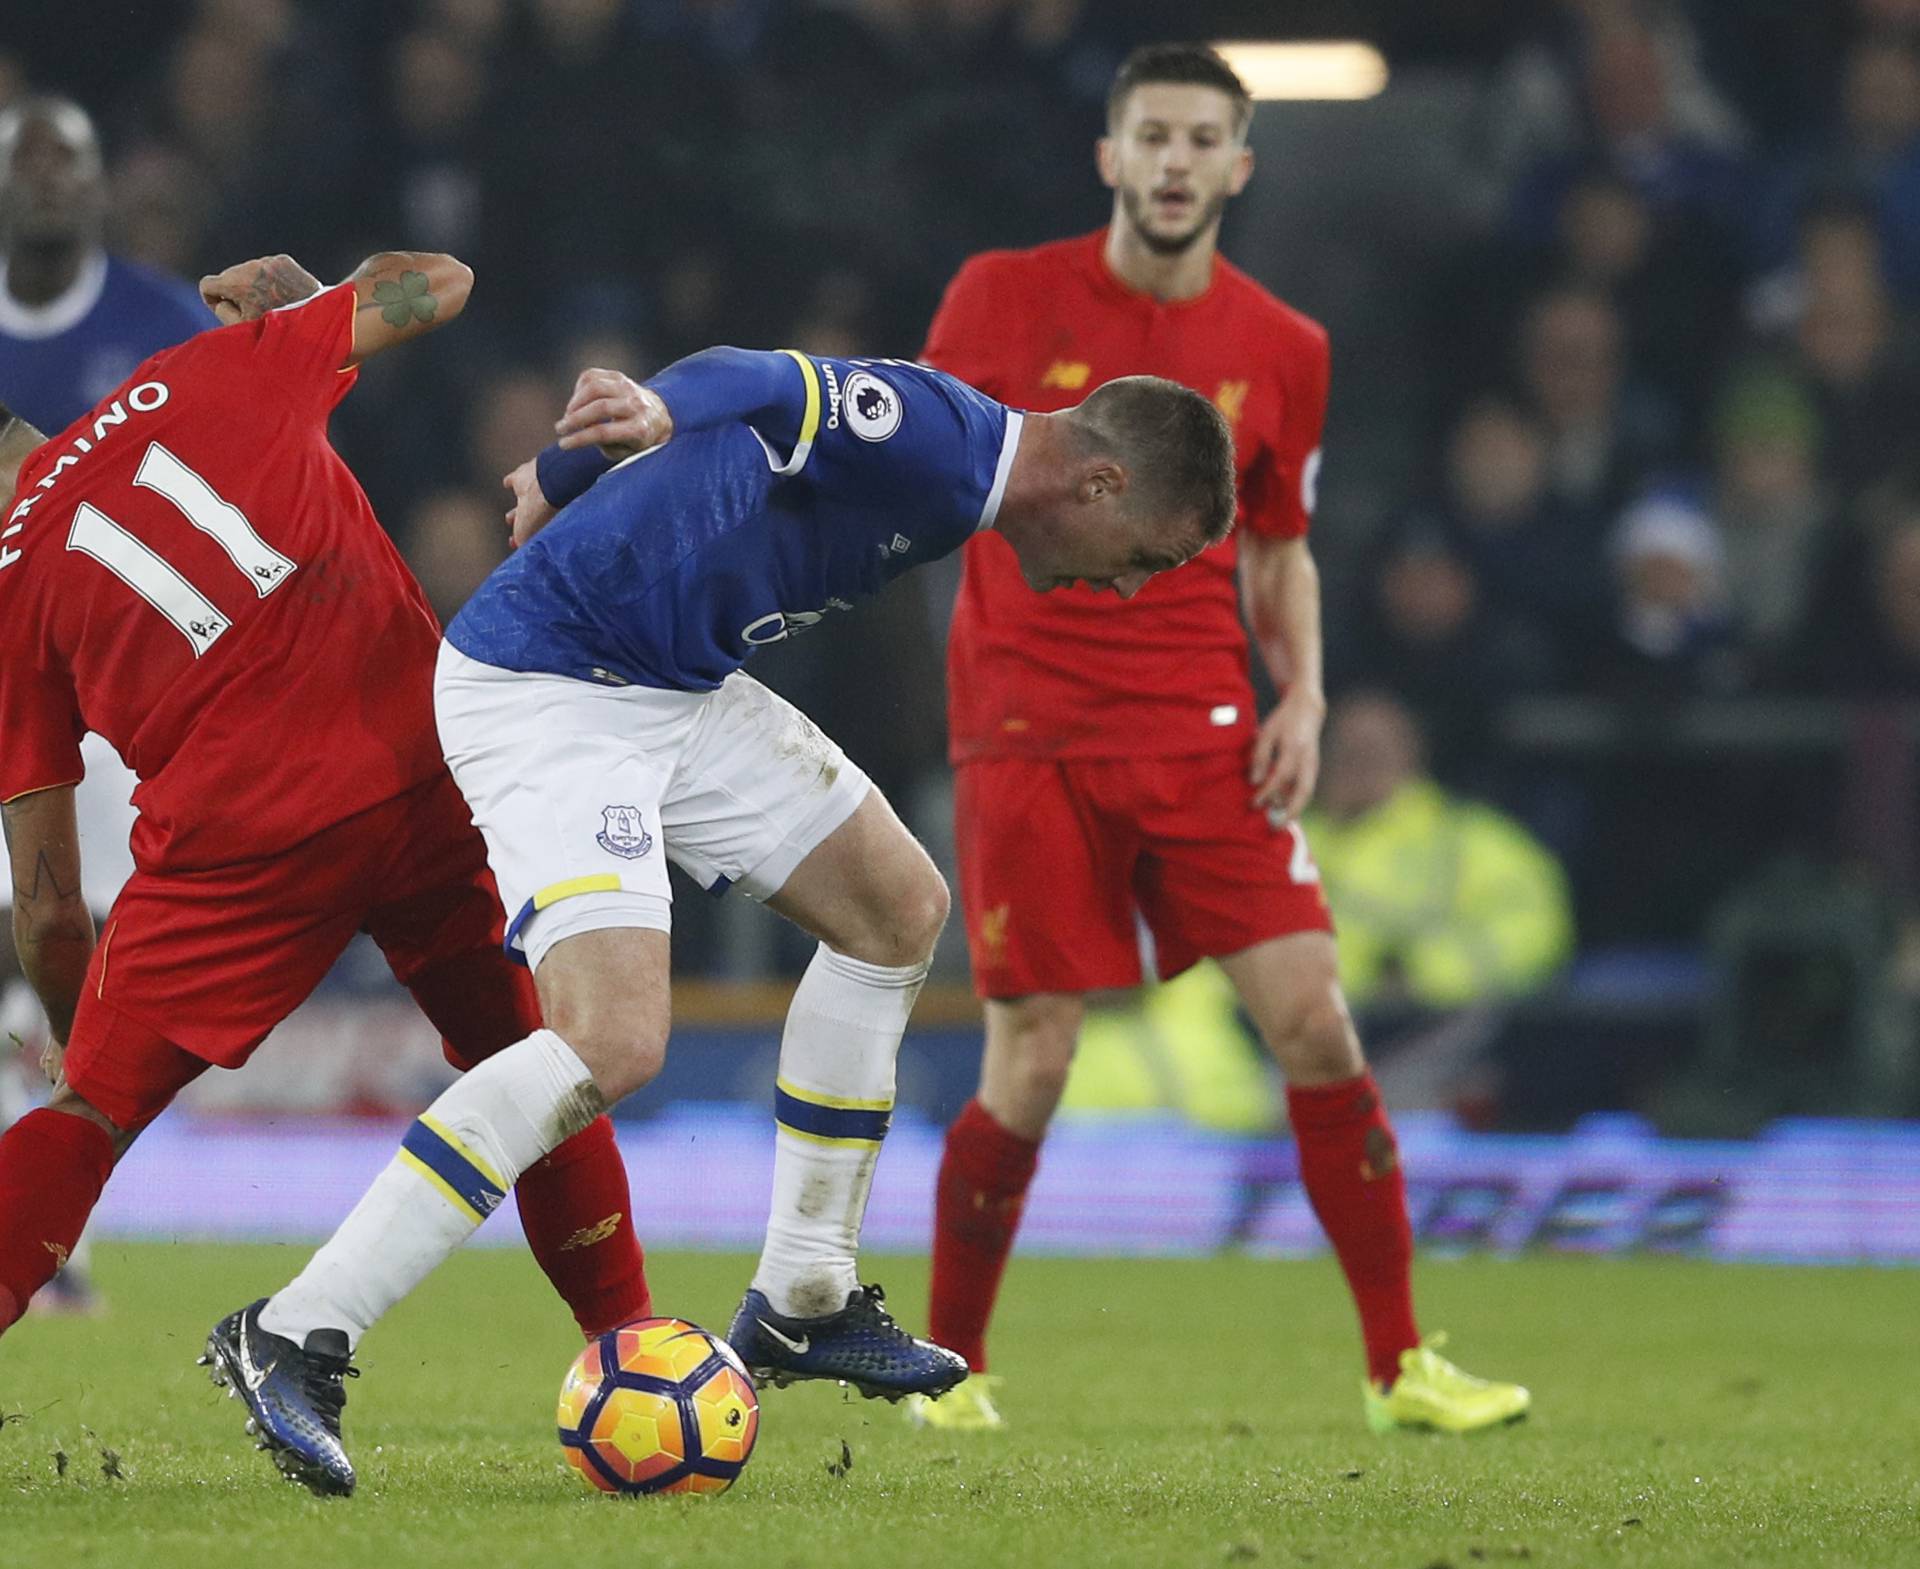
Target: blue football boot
[860, 1345]
[294, 1395]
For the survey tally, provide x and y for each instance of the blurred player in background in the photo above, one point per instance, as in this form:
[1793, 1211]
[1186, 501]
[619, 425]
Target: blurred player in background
[73, 322]
[1110, 768]
[194, 574]
[595, 714]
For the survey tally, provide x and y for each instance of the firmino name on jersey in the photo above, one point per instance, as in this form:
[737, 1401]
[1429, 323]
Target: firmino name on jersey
[143, 399]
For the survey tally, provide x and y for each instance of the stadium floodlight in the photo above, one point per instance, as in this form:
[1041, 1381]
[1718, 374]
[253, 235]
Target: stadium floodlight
[1346, 69]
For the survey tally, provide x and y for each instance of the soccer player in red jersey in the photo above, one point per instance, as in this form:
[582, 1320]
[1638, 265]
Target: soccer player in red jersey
[1109, 763]
[191, 571]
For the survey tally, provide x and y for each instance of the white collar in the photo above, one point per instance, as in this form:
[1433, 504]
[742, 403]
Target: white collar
[1009, 445]
[60, 314]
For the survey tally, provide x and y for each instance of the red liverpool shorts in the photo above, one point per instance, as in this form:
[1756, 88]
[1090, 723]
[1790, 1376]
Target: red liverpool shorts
[194, 968]
[1061, 860]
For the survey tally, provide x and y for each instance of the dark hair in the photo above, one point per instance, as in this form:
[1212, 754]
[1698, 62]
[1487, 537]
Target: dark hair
[1185, 65]
[1177, 448]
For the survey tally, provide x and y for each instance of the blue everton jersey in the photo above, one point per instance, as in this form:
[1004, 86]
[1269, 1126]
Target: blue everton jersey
[791, 487]
[59, 359]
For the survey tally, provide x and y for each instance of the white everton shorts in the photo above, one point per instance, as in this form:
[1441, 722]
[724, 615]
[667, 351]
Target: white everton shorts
[584, 792]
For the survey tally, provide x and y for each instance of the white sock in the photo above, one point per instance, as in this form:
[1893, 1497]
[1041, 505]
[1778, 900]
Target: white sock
[831, 1109]
[453, 1169]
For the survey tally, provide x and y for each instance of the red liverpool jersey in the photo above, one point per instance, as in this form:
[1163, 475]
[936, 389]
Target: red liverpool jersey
[1078, 674]
[192, 572]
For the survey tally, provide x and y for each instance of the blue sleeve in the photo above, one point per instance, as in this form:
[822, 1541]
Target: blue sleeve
[904, 435]
[777, 393]
[566, 474]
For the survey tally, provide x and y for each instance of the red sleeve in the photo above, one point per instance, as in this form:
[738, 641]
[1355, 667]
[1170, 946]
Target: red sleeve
[1278, 494]
[40, 727]
[968, 338]
[302, 348]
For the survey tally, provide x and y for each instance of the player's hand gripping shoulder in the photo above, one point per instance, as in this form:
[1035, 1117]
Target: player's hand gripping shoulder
[608, 411]
[614, 413]
[247, 290]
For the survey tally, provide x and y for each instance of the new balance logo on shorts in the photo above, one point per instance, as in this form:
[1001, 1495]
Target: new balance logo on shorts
[623, 833]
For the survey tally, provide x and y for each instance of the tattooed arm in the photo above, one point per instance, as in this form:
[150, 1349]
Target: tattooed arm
[405, 295]
[402, 294]
[52, 928]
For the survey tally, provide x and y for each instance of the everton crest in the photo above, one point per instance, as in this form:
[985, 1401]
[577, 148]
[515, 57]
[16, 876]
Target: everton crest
[622, 832]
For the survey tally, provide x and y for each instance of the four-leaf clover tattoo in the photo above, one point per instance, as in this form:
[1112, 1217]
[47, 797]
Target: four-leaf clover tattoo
[406, 301]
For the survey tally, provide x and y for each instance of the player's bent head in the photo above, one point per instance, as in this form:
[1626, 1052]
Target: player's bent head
[1178, 65]
[1176, 450]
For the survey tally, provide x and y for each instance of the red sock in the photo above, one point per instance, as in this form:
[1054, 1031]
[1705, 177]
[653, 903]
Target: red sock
[52, 1168]
[578, 1217]
[1350, 1167]
[984, 1174]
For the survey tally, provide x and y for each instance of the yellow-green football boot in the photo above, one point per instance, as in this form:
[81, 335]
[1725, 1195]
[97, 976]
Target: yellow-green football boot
[966, 1408]
[1432, 1395]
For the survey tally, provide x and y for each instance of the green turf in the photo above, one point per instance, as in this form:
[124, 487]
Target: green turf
[1163, 1414]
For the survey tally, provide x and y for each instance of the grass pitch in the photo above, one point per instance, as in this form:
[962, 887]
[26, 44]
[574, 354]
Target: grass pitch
[1165, 1413]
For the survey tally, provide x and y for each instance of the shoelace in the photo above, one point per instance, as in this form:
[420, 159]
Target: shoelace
[875, 1298]
[325, 1386]
[1441, 1371]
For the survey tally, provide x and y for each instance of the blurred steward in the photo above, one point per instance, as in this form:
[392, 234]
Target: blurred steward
[1441, 902]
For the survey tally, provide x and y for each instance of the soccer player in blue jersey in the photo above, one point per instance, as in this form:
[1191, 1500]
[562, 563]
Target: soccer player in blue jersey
[593, 709]
[74, 321]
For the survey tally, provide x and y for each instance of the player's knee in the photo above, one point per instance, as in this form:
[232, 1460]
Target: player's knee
[1044, 1033]
[1041, 1077]
[623, 1055]
[903, 930]
[1314, 1040]
[925, 916]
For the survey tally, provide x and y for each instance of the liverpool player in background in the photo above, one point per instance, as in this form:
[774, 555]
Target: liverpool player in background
[1108, 761]
[190, 571]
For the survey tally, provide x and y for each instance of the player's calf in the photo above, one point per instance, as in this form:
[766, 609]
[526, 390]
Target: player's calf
[52, 1169]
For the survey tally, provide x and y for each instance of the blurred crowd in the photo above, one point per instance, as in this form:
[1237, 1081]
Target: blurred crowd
[1672, 380]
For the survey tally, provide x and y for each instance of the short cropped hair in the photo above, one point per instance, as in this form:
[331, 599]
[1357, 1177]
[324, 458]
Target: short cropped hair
[1176, 446]
[1183, 65]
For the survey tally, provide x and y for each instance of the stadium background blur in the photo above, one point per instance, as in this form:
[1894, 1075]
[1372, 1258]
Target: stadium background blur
[1620, 513]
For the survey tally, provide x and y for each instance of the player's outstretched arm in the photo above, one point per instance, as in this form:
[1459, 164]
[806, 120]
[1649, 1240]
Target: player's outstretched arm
[52, 927]
[402, 295]
[405, 295]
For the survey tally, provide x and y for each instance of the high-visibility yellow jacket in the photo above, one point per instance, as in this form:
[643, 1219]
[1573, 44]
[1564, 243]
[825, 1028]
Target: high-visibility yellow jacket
[1453, 900]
